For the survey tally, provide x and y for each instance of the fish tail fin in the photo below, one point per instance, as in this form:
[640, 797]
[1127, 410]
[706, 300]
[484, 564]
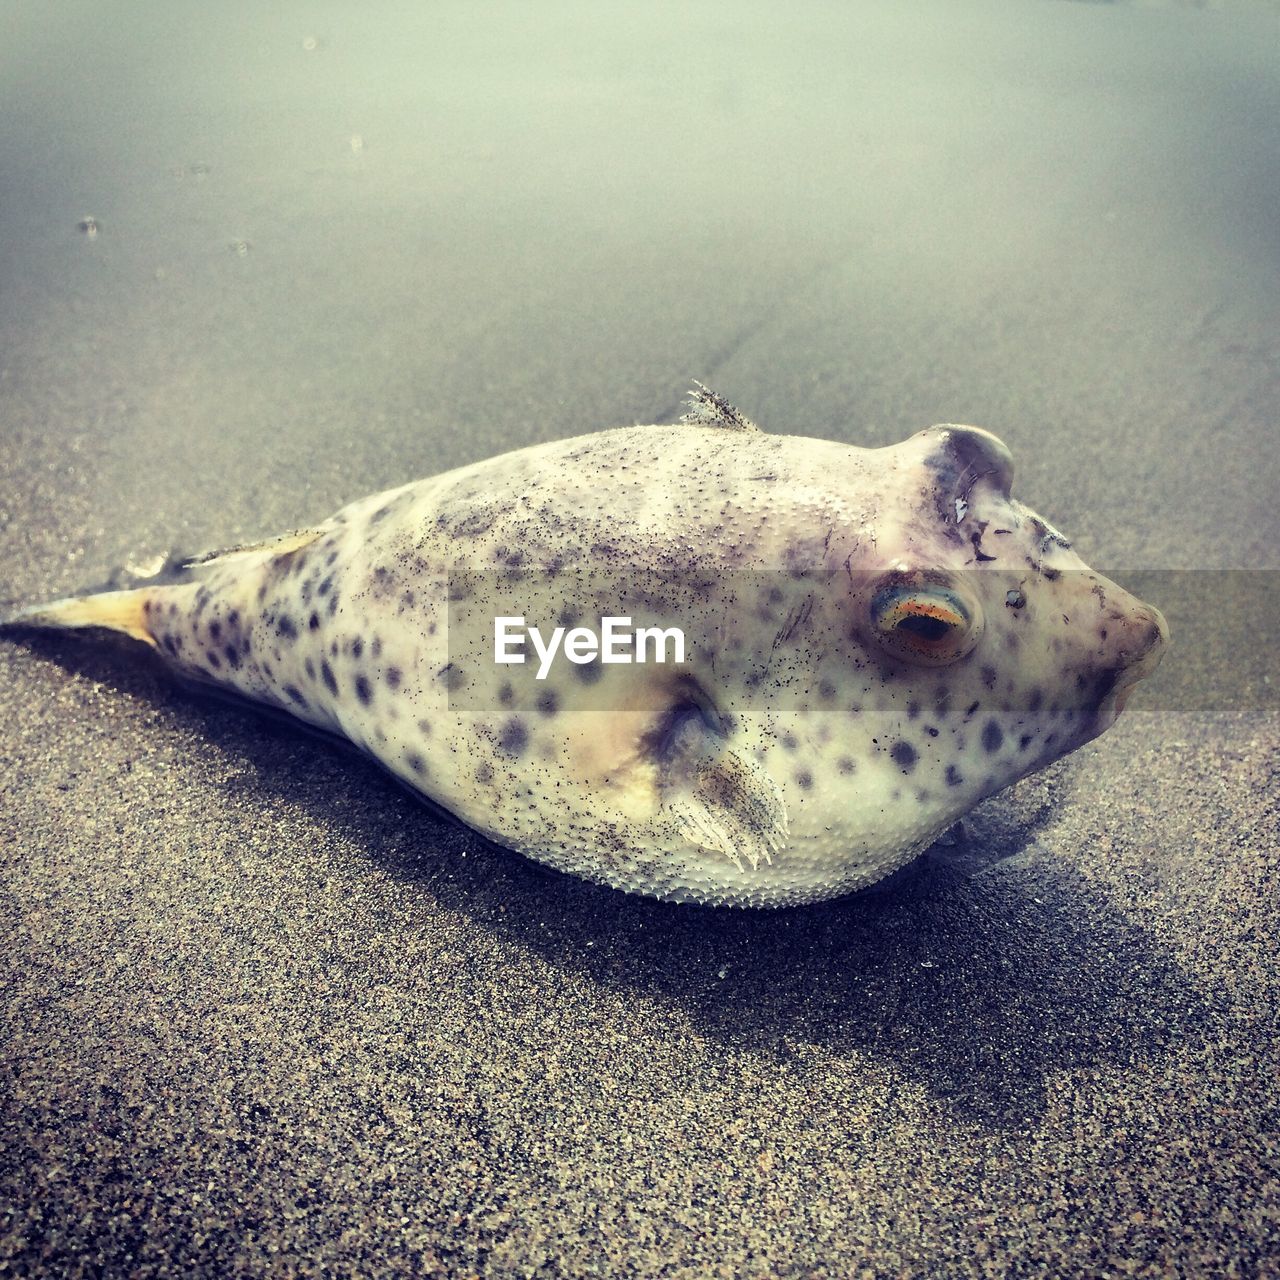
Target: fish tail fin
[128, 600]
[123, 611]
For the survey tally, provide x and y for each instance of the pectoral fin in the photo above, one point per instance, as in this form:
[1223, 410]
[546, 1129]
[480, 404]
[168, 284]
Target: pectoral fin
[667, 755]
[734, 807]
[720, 799]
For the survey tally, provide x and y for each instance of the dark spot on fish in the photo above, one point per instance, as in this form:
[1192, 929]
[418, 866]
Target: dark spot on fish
[989, 677]
[295, 695]
[424, 727]
[364, 690]
[1024, 742]
[451, 676]
[506, 695]
[357, 647]
[972, 707]
[514, 737]
[285, 627]
[548, 702]
[333, 604]
[326, 674]
[588, 672]
[473, 525]
[232, 656]
[1051, 574]
[844, 765]
[789, 741]
[415, 762]
[233, 618]
[976, 539]
[804, 780]
[826, 690]
[215, 630]
[954, 778]
[484, 774]
[392, 677]
[214, 661]
[913, 710]
[310, 668]
[1035, 701]
[376, 648]
[931, 730]
[326, 586]
[904, 756]
[992, 737]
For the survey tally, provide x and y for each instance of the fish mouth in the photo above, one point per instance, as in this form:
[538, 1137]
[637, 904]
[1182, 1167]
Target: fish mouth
[1130, 676]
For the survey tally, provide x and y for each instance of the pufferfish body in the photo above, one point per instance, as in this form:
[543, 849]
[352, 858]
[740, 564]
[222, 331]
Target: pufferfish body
[870, 641]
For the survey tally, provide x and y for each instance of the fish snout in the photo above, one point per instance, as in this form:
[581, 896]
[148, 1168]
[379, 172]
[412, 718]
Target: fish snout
[1137, 636]
[1147, 634]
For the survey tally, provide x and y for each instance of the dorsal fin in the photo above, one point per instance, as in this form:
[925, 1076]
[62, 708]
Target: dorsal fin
[707, 409]
[280, 545]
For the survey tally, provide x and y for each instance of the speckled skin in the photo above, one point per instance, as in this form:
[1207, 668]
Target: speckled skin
[792, 758]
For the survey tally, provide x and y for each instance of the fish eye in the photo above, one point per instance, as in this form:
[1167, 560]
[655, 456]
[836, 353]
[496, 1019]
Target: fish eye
[924, 622]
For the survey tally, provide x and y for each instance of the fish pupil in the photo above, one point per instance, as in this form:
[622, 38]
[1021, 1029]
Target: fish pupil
[924, 627]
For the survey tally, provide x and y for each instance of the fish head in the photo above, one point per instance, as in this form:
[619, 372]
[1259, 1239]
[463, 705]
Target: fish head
[1004, 648]
[928, 641]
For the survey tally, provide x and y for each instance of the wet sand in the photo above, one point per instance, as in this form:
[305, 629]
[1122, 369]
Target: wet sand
[262, 1012]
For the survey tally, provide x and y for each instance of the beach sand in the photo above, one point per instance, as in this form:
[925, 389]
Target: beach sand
[263, 1014]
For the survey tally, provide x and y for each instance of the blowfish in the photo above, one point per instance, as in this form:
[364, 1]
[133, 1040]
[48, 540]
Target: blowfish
[834, 652]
